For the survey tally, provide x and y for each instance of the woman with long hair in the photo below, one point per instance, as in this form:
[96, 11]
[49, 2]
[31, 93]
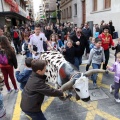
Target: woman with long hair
[12, 61]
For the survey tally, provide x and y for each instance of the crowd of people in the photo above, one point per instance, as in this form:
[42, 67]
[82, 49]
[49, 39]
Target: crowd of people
[71, 41]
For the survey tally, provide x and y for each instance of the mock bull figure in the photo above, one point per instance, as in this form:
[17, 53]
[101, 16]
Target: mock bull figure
[63, 74]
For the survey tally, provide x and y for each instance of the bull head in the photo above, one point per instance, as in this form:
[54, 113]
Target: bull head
[80, 85]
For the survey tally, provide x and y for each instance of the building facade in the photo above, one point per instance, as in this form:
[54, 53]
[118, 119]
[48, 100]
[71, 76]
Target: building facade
[49, 8]
[73, 11]
[41, 12]
[13, 12]
[98, 10]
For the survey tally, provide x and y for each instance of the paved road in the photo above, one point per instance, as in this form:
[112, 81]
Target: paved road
[102, 109]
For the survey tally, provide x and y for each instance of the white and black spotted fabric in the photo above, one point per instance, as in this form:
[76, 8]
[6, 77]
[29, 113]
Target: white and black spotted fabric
[54, 61]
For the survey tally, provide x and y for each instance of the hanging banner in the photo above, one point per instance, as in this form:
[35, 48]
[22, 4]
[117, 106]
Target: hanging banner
[14, 5]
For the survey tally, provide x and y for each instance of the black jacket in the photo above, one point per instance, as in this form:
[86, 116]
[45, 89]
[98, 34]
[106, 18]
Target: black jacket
[83, 44]
[34, 92]
[117, 48]
[12, 60]
[69, 54]
[87, 33]
[48, 34]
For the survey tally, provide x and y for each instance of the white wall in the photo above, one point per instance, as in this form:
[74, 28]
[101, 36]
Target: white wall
[75, 19]
[112, 14]
[6, 7]
[78, 19]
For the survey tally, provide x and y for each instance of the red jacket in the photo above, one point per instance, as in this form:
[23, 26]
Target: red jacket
[106, 40]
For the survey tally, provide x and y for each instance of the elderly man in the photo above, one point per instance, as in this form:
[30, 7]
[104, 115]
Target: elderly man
[80, 43]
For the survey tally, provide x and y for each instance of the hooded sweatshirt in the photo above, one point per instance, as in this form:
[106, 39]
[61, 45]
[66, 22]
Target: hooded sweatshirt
[96, 55]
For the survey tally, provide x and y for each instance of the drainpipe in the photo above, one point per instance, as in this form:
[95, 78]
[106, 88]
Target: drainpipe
[2, 5]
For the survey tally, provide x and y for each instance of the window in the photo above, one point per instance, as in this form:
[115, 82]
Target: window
[94, 5]
[75, 5]
[107, 4]
[67, 13]
[64, 13]
[70, 15]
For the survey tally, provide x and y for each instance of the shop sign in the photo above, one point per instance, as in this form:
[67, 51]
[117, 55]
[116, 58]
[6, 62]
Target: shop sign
[13, 4]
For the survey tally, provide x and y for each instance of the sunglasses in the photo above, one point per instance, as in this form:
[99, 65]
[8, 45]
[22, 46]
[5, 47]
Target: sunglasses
[78, 32]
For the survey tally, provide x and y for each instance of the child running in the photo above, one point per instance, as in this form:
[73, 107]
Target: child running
[116, 68]
[96, 57]
[69, 52]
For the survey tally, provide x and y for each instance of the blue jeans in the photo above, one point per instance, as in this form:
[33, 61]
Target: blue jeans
[116, 86]
[36, 116]
[94, 76]
[28, 54]
[78, 61]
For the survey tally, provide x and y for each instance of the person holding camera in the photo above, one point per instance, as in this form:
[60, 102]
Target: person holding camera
[36, 43]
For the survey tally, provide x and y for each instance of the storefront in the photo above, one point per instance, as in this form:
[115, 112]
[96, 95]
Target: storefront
[11, 14]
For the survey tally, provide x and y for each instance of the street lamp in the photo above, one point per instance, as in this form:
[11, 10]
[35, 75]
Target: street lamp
[58, 10]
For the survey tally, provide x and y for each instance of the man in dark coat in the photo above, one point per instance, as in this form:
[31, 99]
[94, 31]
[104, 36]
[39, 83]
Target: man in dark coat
[80, 43]
[48, 33]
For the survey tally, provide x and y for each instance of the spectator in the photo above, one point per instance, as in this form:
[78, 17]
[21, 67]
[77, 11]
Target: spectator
[59, 42]
[35, 90]
[117, 48]
[48, 33]
[101, 26]
[106, 43]
[96, 57]
[22, 77]
[112, 28]
[86, 31]
[92, 43]
[97, 29]
[7, 34]
[16, 40]
[12, 61]
[25, 49]
[80, 43]
[61, 33]
[53, 42]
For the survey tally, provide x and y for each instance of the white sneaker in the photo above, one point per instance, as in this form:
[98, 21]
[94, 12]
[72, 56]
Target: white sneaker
[16, 90]
[9, 91]
[117, 100]
[111, 90]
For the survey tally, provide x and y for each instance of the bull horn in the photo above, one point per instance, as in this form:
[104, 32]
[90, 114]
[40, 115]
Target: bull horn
[90, 72]
[67, 85]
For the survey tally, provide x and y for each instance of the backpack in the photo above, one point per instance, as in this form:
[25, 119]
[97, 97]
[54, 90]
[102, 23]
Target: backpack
[15, 34]
[3, 58]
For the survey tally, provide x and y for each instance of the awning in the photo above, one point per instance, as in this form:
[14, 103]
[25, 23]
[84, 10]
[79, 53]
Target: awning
[13, 15]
